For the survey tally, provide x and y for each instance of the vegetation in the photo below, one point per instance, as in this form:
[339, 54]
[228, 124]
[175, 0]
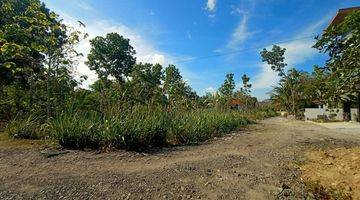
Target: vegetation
[336, 84]
[341, 42]
[132, 105]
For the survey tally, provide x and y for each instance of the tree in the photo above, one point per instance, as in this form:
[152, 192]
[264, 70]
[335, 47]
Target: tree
[275, 58]
[227, 88]
[146, 84]
[289, 93]
[226, 91]
[176, 89]
[342, 43]
[31, 38]
[111, 56]
[246, 85]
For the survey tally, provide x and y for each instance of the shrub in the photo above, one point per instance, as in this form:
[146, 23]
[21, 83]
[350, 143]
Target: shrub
[28, 127]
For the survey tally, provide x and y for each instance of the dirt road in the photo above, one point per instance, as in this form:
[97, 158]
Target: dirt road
[256, 163]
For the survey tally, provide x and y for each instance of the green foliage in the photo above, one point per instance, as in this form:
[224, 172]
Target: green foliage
[131, 106]
[199, 125]
[146, 127]
[294, 91]
[227, 88]
[111, 56]
[342, 43]
[26, 128]
[275, 58]
[178, 92]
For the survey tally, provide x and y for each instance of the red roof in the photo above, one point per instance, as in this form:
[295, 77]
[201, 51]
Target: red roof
[341, 14]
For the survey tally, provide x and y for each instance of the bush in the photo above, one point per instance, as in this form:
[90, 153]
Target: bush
[28, 127]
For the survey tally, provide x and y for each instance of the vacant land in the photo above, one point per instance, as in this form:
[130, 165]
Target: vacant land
[268, 160]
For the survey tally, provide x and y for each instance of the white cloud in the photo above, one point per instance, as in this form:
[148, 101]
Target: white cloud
[266, 78]
[188, 34]
[85, 6]
[297, 52]
[241, 33]
[211, 5]
[210, 90]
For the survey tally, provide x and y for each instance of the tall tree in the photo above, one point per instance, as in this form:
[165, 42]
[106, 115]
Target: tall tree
[30, 36]
[289, 91]
[275, 58]
[226, 91]
[246, 85]
[342, 43]
[227, 88]
[111, 56]
[146, 83]
[176, 89]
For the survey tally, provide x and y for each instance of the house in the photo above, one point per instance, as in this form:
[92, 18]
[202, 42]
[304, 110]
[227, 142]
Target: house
[341, 14]
[236, 104]
[323, 110]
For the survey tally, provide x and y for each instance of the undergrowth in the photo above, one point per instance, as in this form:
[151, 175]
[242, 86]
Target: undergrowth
[140, 128]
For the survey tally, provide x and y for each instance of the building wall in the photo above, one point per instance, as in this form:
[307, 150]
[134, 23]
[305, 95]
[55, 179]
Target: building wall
[312, 113]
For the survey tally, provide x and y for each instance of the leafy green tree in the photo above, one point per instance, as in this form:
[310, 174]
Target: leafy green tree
[111, 56]
[289, 94]
[227, 88]
[244, 93]
[226, 91]
[178, 92]
[35, 47]
[342, 43]
[146, 84]
[246, 85]
[275, 58]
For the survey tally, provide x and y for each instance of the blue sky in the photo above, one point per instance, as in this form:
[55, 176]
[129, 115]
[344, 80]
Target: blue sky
[201, 36]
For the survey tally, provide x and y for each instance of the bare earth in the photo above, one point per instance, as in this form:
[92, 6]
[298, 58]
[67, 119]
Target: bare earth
[257, 163]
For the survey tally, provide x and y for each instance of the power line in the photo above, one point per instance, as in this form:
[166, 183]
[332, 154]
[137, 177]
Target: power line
[241, 50]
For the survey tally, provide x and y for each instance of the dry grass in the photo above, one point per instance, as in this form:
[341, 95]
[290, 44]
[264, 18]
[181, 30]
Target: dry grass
[333, 174]
[8, 142]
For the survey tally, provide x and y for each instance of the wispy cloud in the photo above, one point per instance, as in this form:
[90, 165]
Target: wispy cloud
[210, 90]
[85, 6]
[188, 34]
[211, 5]
[241, 32]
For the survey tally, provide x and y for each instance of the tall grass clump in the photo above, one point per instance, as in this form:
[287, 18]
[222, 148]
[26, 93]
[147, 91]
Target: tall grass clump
[79, 130]
[138, 128]
[143, 127]
[200, 125]
[28, 127]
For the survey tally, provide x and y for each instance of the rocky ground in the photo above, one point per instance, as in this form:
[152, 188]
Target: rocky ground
[261, 162]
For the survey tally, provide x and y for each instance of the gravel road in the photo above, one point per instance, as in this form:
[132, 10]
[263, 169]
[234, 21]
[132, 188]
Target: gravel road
[255, 163]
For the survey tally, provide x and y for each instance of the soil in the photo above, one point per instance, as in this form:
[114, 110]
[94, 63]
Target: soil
[336, 170]
[262, 161]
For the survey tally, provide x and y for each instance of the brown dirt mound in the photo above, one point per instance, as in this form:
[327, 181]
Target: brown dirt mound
[335, 171]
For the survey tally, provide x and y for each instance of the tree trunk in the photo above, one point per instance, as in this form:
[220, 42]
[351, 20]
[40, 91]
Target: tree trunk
[346, 110]
[48, 89]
